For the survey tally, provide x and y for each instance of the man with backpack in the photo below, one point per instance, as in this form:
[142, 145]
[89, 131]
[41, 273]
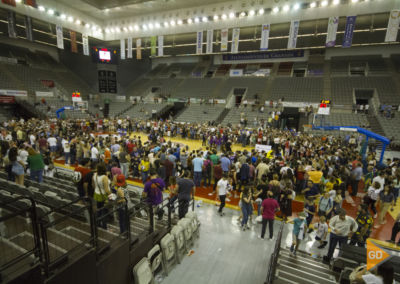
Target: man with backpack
[152, 193]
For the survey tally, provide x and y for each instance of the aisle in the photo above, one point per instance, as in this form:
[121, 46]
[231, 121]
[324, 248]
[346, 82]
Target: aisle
[224, 254]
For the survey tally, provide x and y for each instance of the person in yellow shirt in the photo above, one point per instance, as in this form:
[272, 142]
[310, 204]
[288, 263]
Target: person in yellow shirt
[270, 154]
[315, 175]
[144, 168]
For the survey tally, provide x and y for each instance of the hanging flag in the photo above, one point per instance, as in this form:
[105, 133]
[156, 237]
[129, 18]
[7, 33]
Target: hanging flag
[264, 36]
[74, 46]
[199, 42]
[31, 3]
[224, 39]
[161, 45]
[139, 48]
[348, 31]
[393, 26]
[60, 37]
[153, 43]
[122, 48]
[331, 33]
[129, 47]
[209, 46]
[28, 28]
[293, 32]
[9, 2]
[85, 41]
[12, 29]
[235, 40]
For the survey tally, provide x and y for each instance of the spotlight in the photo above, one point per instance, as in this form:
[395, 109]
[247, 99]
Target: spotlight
[70, 19]
[242, 14]
[144, 27]
[286, 8]
[117, 29]
[275, 10]
[130, 28]
[324, 3]
[231, 15]
[223, 17]
[335, 2]
[94, 28]
[166, 24]
[18, 1]
[313, 5]
[136, 27]
[261, 11]
[215, 17]
[251, 13]
[204, 19]
[180, 22]
[125, 29]
[87, 26]
[190, 21]
[50, 12]
[78, 22]
[151, 26]
[41, 8]
[196, 20]
[63, 16]
[107, 31]
[172, 23]
[354, 1]
[296, 6]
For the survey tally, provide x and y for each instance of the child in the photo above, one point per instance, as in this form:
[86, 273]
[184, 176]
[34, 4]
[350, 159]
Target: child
[309, 209]
[322, 232]
[299, 228]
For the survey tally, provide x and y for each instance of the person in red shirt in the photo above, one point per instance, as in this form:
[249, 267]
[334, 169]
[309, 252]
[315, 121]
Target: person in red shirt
[83, 169]
[268, 208]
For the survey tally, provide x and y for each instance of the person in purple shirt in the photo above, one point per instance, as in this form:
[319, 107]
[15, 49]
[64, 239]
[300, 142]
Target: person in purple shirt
[153, 189]
[225, 164]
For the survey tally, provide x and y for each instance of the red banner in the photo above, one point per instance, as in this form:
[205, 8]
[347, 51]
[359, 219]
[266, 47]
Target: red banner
[7, 100]
[31, 3]
[48, 83]
[9, 2]
[74, 47]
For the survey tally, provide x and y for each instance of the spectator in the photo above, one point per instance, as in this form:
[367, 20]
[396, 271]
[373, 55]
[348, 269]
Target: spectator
[269, 207]
[36, 165]
[186, 190]
[298, 233]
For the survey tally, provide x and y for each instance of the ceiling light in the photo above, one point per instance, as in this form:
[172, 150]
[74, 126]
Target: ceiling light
[78, 22]
[205, 19]
[180, 22]
[261, 11]
[157, 25]
[41, 8]
[354, 1]
[313, 5]
[215, 17]
[196, 20]
[166, 24]
[50, 12]
[252, 13]
[63, 16]
[223, 17]
[70, 19]
[125, 29]
[87, 26]
[275, 10]
[130, 28]
[190, 21]
[94, 28]
[243, 14]
[231, 15]
[117, 30]
[296, 6]
[324, 3]
[144, 27]
[136, 27]
[18, 1]
[107, 31]
[286, 8]
[151, 26]
[112, 30]
[172, 23]
[335, 2]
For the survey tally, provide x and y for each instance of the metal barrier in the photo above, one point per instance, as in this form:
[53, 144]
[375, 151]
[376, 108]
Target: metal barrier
[274, 257]
[66, 233]
[19, 238]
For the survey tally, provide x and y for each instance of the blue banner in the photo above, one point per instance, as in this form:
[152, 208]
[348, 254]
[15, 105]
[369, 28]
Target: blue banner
[348, 31]
[264, 55]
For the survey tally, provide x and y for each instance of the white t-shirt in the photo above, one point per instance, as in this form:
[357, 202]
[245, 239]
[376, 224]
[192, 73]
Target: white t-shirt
[52, 141]
[222, 187]
[94, 153]
[32, 138]
[23, 156]
[380, 180]
[321, 230]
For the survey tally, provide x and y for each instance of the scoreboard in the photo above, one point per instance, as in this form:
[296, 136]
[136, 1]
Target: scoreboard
[324, 107]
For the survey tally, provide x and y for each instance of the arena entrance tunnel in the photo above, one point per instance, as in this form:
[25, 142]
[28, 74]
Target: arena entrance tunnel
[369, 134]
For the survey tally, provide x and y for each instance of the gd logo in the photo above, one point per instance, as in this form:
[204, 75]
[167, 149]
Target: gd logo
[375, 255]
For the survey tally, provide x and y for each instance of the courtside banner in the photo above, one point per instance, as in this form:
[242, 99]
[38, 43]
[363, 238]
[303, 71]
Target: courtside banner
[209, 46]
[199, 42]
[129, 55]
[293, 32]
[160, 45]
[60, 37]
[348, 31]
[376, 255]
[12, 29]
[224, 39]
[122, 45]
[74, 46]
[235, 40]
[332, 30]
[153, 42]
[264, 36]
[139, 48]
[393, 26]
[85, 41]
[28, 28]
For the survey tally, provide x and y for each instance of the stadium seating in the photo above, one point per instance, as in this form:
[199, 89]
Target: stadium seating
[297, 89]
[200, 113]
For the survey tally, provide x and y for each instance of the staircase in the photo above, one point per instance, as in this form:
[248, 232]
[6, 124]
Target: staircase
[222, 115]
[375, 125]
[302, 269]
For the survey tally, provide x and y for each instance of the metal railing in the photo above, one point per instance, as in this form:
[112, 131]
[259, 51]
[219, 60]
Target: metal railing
[274, 257]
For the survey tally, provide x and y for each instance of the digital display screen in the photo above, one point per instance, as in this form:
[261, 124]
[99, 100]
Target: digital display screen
[104, 55]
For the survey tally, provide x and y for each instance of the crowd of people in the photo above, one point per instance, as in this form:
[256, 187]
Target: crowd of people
[321, 168]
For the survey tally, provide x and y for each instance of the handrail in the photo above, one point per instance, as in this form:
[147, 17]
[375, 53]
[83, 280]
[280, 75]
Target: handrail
[274, 257]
